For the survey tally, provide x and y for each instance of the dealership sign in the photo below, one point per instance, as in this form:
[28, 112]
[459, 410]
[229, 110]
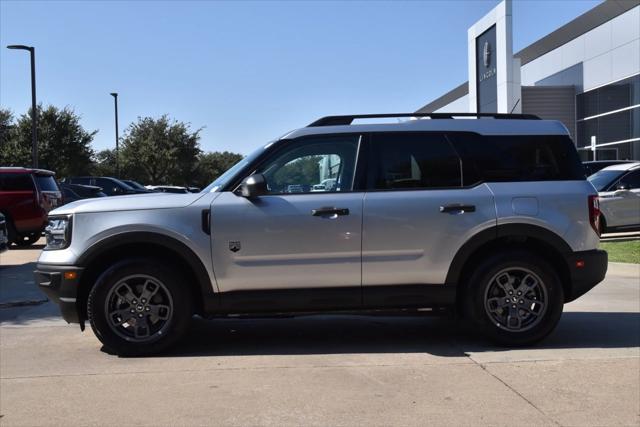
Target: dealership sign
[494, 74]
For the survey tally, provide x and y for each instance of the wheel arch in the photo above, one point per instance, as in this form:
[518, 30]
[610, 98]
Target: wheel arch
[104, 253]
[536, 239]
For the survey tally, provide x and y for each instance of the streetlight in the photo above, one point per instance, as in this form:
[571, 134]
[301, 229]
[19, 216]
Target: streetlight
[34, 111]
[115, 101]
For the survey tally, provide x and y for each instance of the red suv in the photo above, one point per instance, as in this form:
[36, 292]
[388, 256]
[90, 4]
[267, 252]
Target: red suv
[26, 197]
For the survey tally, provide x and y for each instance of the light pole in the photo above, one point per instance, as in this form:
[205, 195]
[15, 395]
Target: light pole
[34, 110]
[115, 101]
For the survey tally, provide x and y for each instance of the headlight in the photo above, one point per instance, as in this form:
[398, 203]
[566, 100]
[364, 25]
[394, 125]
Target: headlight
[58, 232]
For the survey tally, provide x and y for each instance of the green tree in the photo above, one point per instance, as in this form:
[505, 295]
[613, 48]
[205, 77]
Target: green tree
[213, 164]
[160, 151]
[64, 146]
[104, 163]
[11, 153]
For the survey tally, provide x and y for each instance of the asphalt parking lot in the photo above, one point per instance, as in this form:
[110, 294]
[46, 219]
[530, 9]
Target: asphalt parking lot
[323, 370]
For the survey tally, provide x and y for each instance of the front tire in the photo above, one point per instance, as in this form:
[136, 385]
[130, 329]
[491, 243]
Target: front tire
[514, 298]
[139, 307]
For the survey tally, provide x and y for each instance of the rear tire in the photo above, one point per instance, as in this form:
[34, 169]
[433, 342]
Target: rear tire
[139, 307]
[514, 298]
[27, 240]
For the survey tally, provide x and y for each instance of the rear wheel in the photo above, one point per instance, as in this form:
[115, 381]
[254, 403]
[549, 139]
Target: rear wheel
[515, 298]
[139, 307]
[27, 240]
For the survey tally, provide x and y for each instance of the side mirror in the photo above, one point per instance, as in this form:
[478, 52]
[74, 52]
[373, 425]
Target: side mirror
[254, 186]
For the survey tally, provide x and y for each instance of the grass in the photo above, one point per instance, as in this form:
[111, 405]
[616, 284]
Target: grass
[628, 251]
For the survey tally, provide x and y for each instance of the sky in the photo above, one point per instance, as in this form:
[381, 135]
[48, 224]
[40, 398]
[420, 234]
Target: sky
[246, 72]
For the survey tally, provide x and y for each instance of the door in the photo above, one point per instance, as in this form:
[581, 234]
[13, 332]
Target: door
[623, 201]
[299, 246]
[417, 214]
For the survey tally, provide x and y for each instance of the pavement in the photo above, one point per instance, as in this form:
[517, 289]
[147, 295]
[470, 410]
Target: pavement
[323, 370]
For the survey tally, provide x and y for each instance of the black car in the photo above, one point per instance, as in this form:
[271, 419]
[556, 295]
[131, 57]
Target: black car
[73, 192]
[594, 166]
[110, 186]
[135, 185]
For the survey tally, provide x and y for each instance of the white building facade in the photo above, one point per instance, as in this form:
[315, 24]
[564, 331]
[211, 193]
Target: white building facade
[586, 74]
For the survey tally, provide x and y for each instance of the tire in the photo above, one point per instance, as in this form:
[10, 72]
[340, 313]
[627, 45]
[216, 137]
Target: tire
[27, 240]
[531, 316]
[117, 301]
[11, 230]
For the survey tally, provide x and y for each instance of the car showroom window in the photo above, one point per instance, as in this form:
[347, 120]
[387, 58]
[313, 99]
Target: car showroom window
[317, 165]
[403, 160]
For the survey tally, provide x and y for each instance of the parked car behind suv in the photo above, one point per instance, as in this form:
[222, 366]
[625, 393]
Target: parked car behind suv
[491, 214]
[619, 190]
[593, 166]
[110, 186]
[73, 192]
[26, 197]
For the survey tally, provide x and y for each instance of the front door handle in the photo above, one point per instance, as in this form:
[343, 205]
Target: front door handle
[330, 212]
[457, 207]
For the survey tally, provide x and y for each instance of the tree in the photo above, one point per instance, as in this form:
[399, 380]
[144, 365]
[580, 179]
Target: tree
[160, 151]
[212, 165]
[104, 163]
[11, 154]
[64, 146]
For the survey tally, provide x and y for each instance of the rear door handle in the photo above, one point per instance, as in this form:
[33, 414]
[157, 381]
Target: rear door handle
[457, 207]
[330, 211]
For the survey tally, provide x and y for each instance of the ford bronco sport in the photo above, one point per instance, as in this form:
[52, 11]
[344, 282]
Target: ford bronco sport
[487, 213]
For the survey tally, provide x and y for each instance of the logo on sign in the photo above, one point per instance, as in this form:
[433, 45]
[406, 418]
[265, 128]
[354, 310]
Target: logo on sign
[486, 59]
[486, 54]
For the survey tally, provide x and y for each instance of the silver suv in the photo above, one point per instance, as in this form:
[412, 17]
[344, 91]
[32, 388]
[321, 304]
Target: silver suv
[490, 214]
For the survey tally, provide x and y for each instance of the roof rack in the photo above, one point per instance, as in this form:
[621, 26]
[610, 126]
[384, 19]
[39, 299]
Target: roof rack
[347, 120]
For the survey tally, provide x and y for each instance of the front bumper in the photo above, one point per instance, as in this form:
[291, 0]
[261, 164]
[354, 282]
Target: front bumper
[61, 288]
[587, 269]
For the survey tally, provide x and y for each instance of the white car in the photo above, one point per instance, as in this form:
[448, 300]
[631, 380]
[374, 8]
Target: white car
[619, 191]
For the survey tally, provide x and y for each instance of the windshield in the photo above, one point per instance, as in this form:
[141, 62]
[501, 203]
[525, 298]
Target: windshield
[223, 179]
[604, 178]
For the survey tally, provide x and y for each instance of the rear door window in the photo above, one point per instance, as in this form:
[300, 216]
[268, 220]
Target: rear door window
[410, 160]
[506, 158]
[16, 182]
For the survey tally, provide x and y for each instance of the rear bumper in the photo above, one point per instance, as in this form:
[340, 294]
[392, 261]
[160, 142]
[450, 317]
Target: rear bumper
[587, 269]
[60, 289]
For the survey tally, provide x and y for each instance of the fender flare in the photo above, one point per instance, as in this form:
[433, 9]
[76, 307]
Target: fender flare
[517, 231]
[144, 237]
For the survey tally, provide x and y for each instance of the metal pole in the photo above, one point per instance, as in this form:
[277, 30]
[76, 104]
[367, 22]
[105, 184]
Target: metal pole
[34, 110]
[115, 100]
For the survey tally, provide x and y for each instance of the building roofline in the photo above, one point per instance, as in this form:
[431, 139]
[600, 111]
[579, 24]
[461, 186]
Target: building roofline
[445, 99]
[584, 23]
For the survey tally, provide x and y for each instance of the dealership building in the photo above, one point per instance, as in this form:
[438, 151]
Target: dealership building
[585, 74]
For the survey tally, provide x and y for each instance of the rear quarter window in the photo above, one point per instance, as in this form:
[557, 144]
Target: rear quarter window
[508, 158]
[16, 182]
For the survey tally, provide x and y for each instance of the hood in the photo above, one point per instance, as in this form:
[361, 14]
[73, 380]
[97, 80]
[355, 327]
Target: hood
[128, 203]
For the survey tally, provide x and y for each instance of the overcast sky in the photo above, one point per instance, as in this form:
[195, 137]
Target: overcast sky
[246, 72]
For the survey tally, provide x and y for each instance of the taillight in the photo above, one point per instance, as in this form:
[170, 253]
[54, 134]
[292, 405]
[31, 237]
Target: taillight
[594, 213]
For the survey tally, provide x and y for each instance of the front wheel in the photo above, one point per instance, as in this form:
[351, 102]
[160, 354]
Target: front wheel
[515, 298]
[139, 307]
